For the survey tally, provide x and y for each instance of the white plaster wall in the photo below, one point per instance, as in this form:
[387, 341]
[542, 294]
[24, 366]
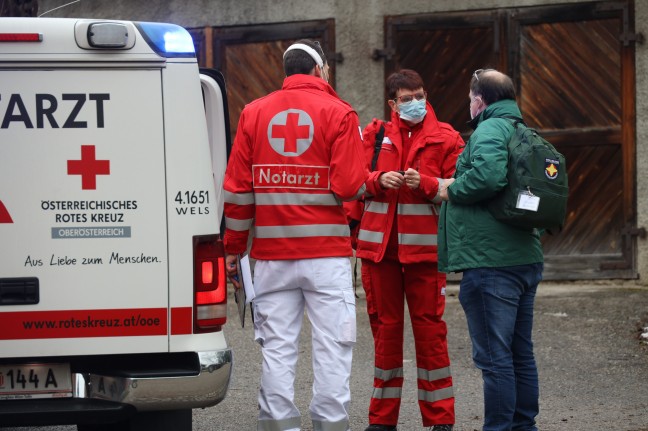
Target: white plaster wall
[359, 30]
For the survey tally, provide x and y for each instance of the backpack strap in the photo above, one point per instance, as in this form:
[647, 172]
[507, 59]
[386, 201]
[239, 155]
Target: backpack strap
[514, 120]
[377, 144]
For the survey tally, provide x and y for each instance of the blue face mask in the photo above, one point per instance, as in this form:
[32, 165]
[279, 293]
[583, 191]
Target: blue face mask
[414, 111]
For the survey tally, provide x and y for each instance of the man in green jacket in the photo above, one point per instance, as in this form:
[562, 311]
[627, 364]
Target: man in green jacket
[501, 264]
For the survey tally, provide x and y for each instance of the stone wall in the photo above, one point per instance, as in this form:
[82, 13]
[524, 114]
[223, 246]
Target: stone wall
[359, 30]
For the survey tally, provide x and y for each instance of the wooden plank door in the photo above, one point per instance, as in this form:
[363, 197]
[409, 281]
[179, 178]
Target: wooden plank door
[251, 57]
[574, 70]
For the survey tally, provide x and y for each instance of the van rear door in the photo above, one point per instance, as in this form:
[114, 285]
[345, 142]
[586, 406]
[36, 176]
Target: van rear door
[83, 255]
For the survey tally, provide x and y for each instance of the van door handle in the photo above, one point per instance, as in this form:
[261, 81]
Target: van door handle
[19, 291]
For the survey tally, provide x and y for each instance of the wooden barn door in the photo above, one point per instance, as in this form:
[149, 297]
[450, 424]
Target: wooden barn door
[573, 66]
[251, 57]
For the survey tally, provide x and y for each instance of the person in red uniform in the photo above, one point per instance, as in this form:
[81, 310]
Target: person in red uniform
[397, 243]
[297, 155]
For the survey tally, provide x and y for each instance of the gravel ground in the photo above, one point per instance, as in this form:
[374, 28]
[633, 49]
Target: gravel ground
[593, 366]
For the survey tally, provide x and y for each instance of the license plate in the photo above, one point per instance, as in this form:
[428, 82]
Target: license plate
[35, 381]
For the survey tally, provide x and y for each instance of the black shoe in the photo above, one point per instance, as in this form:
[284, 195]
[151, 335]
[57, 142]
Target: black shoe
[374, 427]
[441, 428]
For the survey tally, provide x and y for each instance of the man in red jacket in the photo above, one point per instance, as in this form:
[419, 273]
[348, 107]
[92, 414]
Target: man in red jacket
[397, 242]
[297, 155]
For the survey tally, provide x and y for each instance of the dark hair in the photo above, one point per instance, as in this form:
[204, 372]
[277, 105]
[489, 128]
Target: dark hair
[403, 79]
[492, 85]
[297, 61]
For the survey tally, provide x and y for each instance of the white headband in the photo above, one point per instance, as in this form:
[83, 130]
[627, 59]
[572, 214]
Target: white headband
[310, 51]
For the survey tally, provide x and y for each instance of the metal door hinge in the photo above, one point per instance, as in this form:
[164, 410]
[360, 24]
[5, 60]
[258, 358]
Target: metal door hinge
[627, 38]
[378, 54]
[335, 57]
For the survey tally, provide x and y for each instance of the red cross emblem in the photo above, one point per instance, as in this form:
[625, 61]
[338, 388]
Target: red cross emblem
[290, 132]
[5, 217]
[88, 167]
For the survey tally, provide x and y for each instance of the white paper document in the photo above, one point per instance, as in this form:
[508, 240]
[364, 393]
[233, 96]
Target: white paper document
[246, 273]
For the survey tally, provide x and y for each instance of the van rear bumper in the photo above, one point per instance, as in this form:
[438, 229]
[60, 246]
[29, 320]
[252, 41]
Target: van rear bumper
[204, 389]
[102, 398]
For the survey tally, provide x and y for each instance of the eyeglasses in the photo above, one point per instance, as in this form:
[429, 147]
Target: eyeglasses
[476, 73]
[409, 97]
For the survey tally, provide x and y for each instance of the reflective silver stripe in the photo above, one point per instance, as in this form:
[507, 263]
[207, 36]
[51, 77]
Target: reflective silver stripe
[239, 198]
[415, 209]
[382, 393]
[238, 225]
[302, 231]
[432, 375]
[296, 199]
[278, 425]
[417, 239]
[370, 236]
[432, 396]
[342, 425]
[359, 193]
[376, 207]
[386, 375]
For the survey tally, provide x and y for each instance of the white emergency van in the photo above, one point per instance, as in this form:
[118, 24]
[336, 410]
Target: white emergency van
[113, 147]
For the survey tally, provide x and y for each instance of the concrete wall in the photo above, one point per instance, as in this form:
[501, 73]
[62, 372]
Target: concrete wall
[641, 26]
[359, 28]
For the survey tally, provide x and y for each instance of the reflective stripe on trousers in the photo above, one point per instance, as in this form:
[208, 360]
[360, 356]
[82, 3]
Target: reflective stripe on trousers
[430, 376]
[295, 424]
[386, 391]
[279, 424]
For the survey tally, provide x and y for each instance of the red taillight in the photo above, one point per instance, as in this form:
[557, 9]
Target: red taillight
[207, 272]
[210, 284]
[21, 37]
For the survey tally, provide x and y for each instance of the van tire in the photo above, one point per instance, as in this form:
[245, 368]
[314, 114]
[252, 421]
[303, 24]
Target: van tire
[166, 420]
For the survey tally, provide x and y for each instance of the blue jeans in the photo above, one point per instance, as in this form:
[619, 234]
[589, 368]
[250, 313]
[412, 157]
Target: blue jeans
[498, 303]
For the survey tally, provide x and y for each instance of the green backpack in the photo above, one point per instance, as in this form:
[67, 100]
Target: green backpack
[537, 190]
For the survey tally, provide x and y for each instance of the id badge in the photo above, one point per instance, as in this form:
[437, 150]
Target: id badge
[528, 201]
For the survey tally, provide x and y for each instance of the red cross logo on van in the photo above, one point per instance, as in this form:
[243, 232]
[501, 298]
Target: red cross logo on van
[88, 167]
[290, 132]
[5, 217]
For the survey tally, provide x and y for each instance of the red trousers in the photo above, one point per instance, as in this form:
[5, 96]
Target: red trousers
[387, 284]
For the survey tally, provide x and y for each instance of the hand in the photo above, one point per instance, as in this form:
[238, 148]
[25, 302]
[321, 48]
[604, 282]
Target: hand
[231, 270]
[443, 189]
[391, 180]
[412, 178]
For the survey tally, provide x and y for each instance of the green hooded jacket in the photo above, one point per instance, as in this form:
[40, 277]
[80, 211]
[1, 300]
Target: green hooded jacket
[469, 237]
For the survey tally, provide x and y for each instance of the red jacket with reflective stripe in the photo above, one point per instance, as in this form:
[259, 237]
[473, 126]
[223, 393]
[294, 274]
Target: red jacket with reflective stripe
[433, 153]
[297, 154]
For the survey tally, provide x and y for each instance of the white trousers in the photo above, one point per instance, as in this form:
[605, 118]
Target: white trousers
[284, 289]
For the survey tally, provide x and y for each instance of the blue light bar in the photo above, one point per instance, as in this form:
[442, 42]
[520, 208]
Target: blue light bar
[168, 40]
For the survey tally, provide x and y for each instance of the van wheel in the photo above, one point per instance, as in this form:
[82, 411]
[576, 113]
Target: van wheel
[167, 420]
